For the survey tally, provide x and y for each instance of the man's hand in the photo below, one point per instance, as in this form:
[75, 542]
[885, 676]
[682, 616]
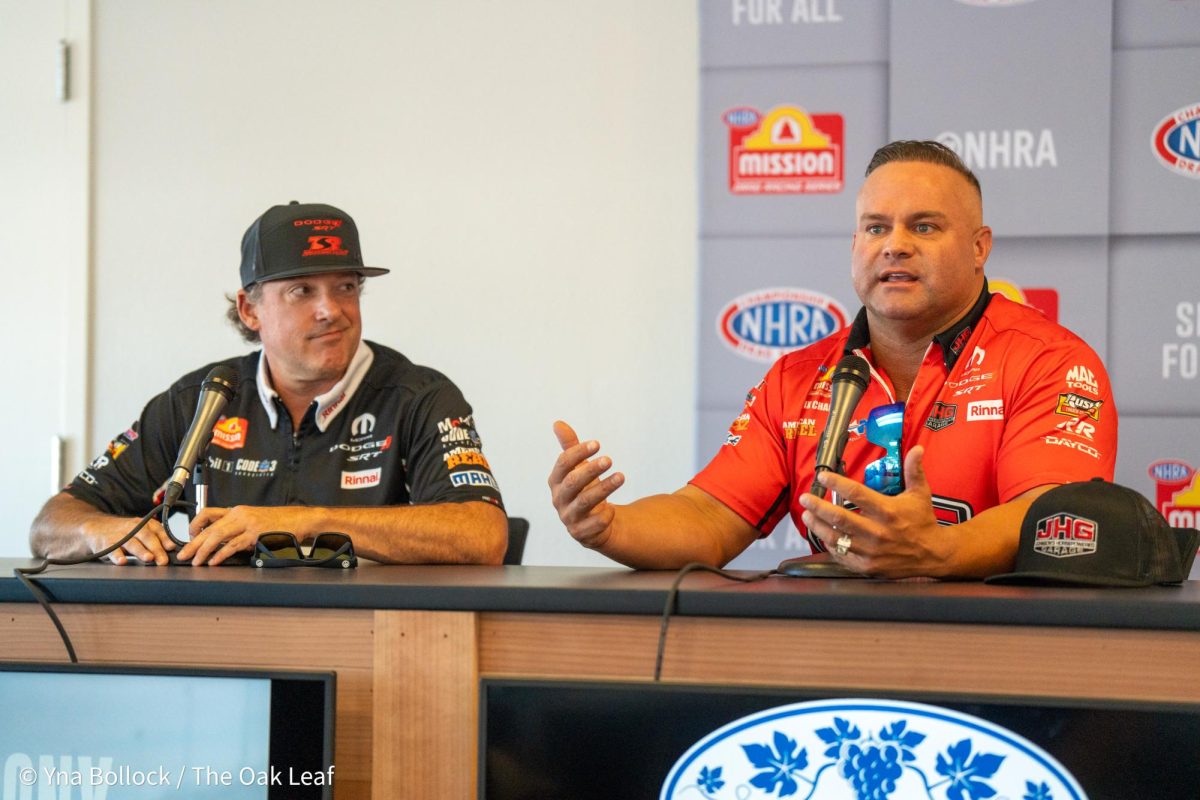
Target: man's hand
[579, 494]
[218, 533]
[149, 545]
[890, 536]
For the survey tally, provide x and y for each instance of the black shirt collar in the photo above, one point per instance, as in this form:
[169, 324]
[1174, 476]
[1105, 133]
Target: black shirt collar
[952, 340]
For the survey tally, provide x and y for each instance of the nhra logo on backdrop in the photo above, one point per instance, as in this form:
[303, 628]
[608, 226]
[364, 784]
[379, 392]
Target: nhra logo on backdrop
[1003, 149]
[787, 151]
[859, 747]
[1044, 300]
[767, 323]
[1176, 141]
[1177, 493]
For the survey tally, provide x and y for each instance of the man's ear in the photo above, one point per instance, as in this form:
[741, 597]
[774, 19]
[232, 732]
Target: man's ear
[247, 311]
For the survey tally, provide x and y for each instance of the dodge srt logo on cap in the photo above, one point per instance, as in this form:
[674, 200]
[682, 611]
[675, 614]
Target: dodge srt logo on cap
[1065, 535]
[325, 246]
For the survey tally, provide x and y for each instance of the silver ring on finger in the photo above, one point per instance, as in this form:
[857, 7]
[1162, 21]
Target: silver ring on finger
[843, 545]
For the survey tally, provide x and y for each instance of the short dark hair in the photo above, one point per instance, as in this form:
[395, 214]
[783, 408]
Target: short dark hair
[254, 295]
[927, 151]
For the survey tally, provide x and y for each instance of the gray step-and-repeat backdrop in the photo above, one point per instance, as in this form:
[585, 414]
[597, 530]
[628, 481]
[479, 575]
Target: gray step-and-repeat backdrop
[1082, 120]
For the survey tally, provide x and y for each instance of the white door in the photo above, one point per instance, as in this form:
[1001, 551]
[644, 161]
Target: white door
[43, 255]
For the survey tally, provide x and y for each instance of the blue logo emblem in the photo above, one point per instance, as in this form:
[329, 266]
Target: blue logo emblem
[765, 324]
[877, 749]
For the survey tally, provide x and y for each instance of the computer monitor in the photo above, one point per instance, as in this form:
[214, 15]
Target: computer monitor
[140, 732]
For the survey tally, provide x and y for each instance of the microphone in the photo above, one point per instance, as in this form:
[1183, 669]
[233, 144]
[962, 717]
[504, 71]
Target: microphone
[218, 389]
[850, 379]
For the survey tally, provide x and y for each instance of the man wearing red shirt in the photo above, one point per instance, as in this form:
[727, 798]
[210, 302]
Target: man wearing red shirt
[1000, 405]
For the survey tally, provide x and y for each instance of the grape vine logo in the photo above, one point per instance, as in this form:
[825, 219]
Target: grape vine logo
[877, 749]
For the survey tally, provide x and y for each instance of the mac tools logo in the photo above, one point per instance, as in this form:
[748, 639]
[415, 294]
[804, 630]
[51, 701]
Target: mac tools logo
[788, 151]
[765, 324]
[866, 748]
[1176, 141]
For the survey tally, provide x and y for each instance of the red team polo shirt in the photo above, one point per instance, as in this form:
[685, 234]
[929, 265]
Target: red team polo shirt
[1004, 401]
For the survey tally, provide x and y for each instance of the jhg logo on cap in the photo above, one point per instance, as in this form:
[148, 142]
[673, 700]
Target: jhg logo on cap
[1066, 535]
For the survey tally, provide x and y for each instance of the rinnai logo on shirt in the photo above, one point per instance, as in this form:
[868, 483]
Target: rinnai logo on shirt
[787, 151]
[1081, 378]
[334, 406]
[362, 479]
[1176, 141]
[230, 432]
[985, 409]
[1066, 535]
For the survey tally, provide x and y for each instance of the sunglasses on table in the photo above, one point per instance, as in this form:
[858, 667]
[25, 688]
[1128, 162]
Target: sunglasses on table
[885, 427]
[281, 549]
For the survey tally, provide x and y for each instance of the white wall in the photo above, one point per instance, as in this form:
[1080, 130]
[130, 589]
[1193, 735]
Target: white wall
[527, 169]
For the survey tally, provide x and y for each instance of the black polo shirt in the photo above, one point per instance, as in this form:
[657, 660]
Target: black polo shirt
[390, 433]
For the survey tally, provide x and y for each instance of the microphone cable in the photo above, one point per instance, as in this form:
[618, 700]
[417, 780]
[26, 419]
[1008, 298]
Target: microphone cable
[43, 597]
[672, 603]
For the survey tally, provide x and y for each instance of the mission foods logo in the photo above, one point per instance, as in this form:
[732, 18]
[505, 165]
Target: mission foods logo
[230, 432]
[866, 748]
[1177, 492]
[766, 323]
[788, 151]
[1044, 300]
[1176, 141]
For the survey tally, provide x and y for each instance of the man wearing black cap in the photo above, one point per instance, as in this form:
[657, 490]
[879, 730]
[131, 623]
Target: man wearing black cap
[326, 431]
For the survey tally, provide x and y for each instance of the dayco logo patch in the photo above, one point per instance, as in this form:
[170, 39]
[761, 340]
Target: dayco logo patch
[1176, 141]
[788, 151]
[230, 432]
[363, 479]
[1065, 535]
[942, 415]
[1076, 405]
[765, 324]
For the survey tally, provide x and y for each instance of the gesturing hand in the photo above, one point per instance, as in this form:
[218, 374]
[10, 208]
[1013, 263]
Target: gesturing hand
[889, 536]
[579, 494]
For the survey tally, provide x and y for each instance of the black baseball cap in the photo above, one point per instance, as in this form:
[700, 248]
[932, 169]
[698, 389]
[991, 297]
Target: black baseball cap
[1097, 533]
[301, 239]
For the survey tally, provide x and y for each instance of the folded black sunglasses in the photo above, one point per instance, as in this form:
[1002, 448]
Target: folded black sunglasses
[281, 549]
